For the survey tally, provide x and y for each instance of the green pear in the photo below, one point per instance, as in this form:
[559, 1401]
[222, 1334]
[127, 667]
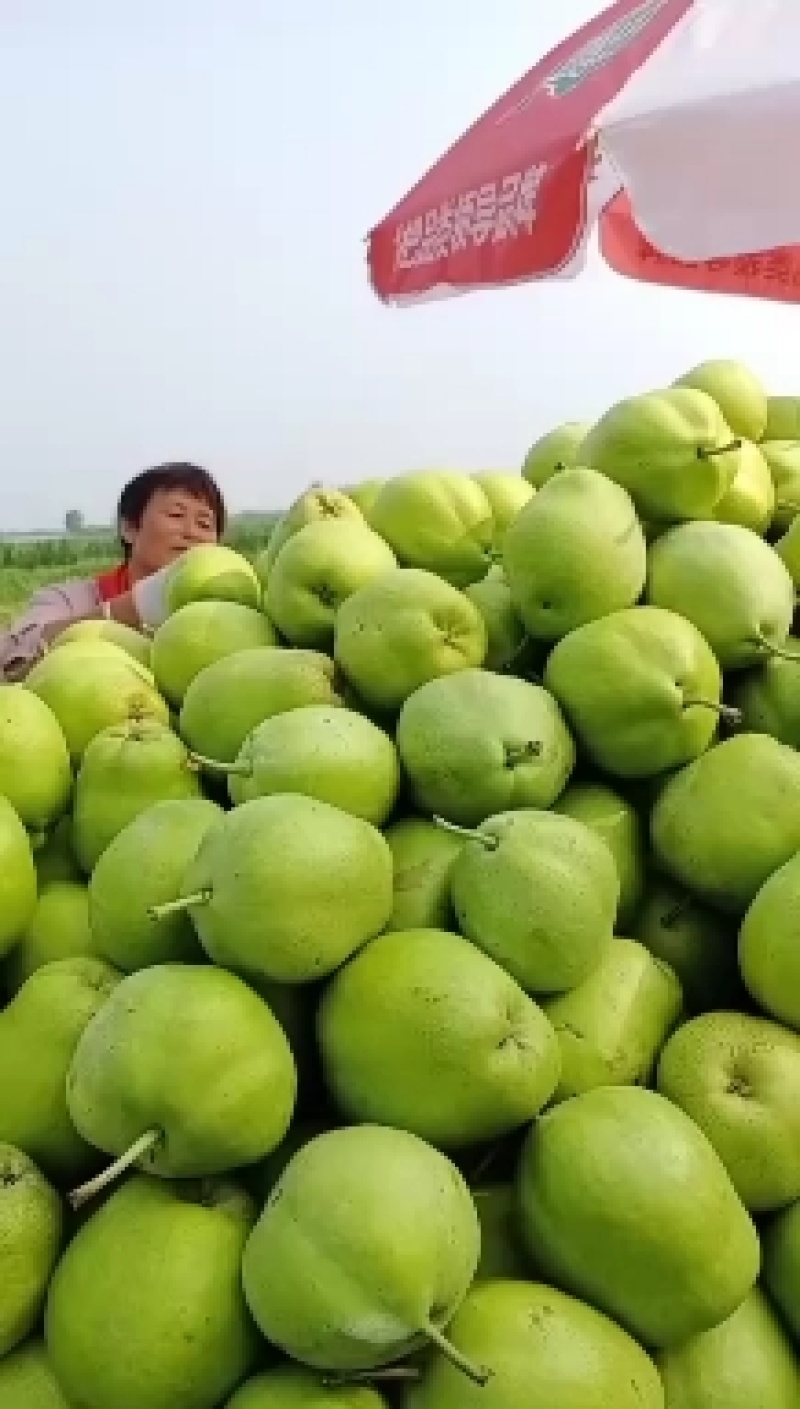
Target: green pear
[697, 942]
[124, 770]
[501, 1247]
[477, 743]
[39, 1031]
[27, 1380]
[321, 751]
[769, 942]
[783, 462]
[90, 691]
[747, 1360]
[750, 501]
[423, 1032]
[423, 854]
[402, 630]
[726, 821]
[768, 699]
[782, 1266]
[640, 688]
[35, 770]
[738, 392]
[788, 550]
[539, 894]
[783, 418]
[318, 503]
[286, 888]
[54, 856]
[199, 634]
[613, 1025]
[212, 572]
[626, 1204]
[576, 552]
[228, 699]
[507, 638]
[316, 570]
[507, 494]
[58, 929]
[364, 1251]
[364, 494]
[101, 629]
[142, 867]
[18, 883]
[555, 451]
[670, 449]
[545, 1349]
[618, 824]
[145, 1310]
[185, 1071]
[290, 1387]
[31, 1233]
[729, 583]
[738, 1077]
[439, 521]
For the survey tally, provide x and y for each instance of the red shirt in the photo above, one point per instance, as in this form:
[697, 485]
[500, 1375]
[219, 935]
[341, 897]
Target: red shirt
[114, 583]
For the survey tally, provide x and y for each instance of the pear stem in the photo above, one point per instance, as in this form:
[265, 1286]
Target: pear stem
[671, 917]
[703, 454]
[396, 1373]
[176, 907]
[212, 765]
[774, 650]
[477, 1374]
[486, 840]
[726, 712]
[519, 753]
[87, 1191]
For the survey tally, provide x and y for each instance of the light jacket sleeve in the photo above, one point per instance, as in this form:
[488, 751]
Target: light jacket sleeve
[23, 641]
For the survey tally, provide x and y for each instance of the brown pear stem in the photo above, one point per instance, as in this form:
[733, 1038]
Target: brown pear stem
[774, 650]
[183, 902]
[726, 712]
[243, 768]
[486, 839]
[476, 1373]
[398, 1374]
[671, 917]
[87, 1191]
[703, 454]
[520, 753]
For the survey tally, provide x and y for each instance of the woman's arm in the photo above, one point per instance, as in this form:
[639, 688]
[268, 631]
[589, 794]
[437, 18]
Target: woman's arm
[50, 611]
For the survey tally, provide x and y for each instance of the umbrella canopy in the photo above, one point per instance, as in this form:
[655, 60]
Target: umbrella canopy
[671, 122]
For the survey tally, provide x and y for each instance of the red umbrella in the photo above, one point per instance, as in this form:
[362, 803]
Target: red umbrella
[678, 117]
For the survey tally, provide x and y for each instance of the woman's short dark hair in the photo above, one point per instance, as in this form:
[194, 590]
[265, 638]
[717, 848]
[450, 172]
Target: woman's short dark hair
[193, 479]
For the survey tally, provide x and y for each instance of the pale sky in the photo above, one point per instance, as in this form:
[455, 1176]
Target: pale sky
[186, 185]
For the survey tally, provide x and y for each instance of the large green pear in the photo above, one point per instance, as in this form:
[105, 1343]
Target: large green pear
[729, 583]
[212, 572]
[625, 1203]
[124, 770]
[698, 943]
[423, 854]
[738, 392]
[402, 630]
[750, 501]
[576, 552]
[477, 743]
[145, 1310]
[27, 1380]
[228, 699]
[423, 1032]
[507, 494]
[782, 1265]
[769, 943]
[187, 1066]
[106, 629]
[437, 520]
[316, 570]
[618, 824]
[640, 688]
[783, 418]
[783, 461]
[320, 502]
[321, 751]
[365, 1250]
[555, 451]
[91, 689]
[35, 771]
[726, 821]
[364, 494]
[39, 1031]
[31, 1232]
[738, 1077]
[143, 867]
[539, 894]
[613, 1025]
[200, 633]
[747, 1360]
[18, 884]
[768, 697]
[58, 929]
[506, 635]
[286, 888]
[545, 1349]
[290, 1387]
[502, 1253]
[670, 449]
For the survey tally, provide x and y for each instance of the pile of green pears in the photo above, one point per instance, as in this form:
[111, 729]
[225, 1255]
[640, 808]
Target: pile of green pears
[400, 947]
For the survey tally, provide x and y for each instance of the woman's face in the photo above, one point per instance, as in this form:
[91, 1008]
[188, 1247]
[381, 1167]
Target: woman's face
[173, 521]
